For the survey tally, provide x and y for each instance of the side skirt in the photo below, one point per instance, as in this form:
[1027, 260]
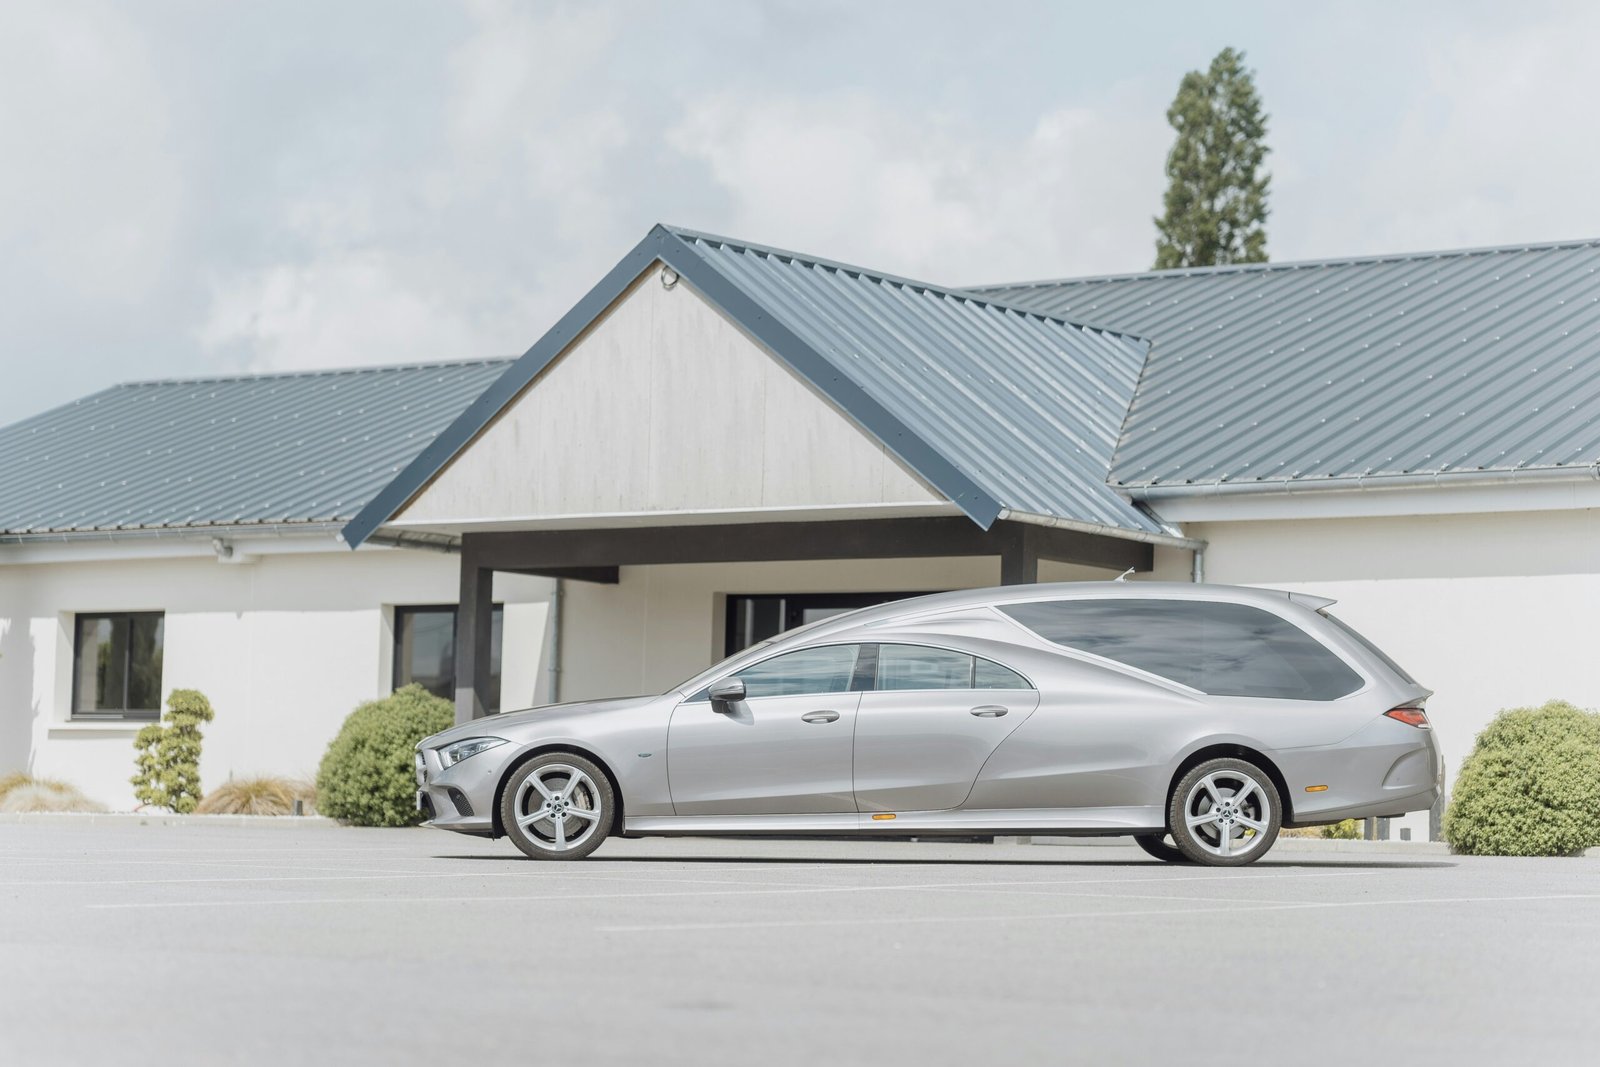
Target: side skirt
[1088, 822]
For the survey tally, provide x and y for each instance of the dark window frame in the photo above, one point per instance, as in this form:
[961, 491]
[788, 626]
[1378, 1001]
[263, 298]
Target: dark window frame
[122, 713]
[792, 607]
[397, 661]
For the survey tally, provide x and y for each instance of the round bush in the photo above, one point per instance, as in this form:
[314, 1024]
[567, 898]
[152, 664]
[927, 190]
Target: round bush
[368, 776]
[1531, 785]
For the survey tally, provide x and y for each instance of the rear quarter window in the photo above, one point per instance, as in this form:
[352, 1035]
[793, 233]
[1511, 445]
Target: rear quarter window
[1218, 648]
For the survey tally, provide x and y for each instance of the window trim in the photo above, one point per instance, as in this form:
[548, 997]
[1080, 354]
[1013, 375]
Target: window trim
[848, 602]
[123, 714]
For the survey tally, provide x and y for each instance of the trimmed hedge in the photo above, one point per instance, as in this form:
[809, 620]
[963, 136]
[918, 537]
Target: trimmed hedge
[1530, 786]
[368, 776]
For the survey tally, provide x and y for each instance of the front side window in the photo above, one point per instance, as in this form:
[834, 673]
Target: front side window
[1218, 648]
[116, 665]
[425, 651]
[826, 669]
[919, 667]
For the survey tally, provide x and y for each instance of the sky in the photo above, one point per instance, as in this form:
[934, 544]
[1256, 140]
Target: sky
[200, 188]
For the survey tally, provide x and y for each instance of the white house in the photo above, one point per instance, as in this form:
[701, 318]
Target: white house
[722, 440]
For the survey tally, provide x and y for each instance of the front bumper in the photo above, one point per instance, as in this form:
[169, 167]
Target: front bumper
[459, 798]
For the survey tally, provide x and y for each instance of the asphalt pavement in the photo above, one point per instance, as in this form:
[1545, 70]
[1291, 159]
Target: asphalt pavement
[207, 945]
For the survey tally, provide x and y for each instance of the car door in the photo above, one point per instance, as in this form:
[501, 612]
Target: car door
[783, 750]
[929, 723]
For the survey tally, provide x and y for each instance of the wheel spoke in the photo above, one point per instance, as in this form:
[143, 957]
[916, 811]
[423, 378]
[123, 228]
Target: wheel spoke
[585, 814]
[1225, 840]
[1201, 820]
[543, 789]
[534, 816]
[561, 833]
[1210, 784]
[572, 785]
[1244, 790]
[1252, 824]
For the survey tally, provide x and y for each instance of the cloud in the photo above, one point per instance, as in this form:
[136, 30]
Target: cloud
[933, 195]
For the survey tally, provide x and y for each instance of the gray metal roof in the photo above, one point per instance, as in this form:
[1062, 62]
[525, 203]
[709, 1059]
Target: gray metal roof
[1479, 360]
[1026, 405]
[262, 449]
[998, 409]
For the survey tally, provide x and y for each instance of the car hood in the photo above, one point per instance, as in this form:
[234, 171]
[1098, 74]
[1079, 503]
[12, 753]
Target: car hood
[519, 725]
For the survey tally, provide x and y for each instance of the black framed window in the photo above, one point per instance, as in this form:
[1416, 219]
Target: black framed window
[921, 667]
[116, 665]
[425, 650]
[753, 619]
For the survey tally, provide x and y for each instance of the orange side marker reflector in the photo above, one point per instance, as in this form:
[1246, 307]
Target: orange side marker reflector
[1315, 788]
[884, 815]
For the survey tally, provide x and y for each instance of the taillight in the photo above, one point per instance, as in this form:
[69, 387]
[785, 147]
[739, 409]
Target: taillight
[1410, 714]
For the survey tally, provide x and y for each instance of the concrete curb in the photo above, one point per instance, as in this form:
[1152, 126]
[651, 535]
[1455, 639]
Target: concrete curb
[135, 818]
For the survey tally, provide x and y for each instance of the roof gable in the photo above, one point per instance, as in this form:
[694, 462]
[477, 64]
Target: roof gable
[998, 409]
[1477, 361]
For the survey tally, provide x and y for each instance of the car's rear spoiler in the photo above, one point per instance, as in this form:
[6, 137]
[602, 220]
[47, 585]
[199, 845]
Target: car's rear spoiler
[1315, 603]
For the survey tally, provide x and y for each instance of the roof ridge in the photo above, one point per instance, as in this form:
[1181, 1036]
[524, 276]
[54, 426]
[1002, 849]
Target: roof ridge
[954, 292]
[1296, 264]
[316, 372]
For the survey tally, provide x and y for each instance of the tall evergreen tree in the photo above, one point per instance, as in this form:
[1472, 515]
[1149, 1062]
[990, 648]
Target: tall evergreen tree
[1216, 202]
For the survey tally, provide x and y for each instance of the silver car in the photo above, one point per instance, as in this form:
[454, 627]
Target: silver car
[1198, 719]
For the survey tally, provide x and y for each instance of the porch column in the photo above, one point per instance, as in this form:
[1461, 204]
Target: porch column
[1019, 555]
[474, 627]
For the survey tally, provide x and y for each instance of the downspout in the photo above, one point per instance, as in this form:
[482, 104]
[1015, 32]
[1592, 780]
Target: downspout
[1197, 573]
[552, 644]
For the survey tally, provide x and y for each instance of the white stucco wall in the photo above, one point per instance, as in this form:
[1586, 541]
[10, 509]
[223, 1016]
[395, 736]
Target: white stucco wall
[662, 624]
[664, 406]
[1490, 611]
[284, 647]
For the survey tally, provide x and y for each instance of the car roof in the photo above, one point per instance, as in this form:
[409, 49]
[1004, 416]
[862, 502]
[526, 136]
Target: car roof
[997, 596]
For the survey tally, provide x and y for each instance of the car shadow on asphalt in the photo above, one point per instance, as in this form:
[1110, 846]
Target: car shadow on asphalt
[915, 861]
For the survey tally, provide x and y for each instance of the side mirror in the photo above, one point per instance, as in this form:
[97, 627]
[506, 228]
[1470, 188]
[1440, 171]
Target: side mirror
[728, 691]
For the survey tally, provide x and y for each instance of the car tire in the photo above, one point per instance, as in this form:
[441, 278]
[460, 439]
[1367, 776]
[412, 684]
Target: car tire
[1225, 813]
[1157, 846]
[557, 806]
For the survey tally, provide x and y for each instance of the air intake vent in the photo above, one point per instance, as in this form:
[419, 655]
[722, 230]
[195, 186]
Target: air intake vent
[459, 799]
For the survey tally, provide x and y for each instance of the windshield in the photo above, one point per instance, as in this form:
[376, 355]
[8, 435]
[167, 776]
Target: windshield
[1355, 635]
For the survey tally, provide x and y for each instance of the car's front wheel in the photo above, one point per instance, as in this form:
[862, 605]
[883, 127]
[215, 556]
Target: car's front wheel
[1225, 813]
[557, 806]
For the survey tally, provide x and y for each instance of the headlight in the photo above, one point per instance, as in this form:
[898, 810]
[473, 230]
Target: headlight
[450, 755]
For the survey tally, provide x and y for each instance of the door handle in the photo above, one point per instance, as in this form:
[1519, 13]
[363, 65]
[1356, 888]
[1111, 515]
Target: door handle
[820, 716]
[988, 711]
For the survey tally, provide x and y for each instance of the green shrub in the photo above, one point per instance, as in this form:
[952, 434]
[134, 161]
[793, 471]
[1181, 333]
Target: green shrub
[368, 776]
[1530, 786]
[168, 757]
[1345, 830]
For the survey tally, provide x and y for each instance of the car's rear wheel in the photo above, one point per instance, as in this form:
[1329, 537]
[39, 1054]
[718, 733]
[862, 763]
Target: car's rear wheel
[1158, 846]
[1225, 813]
[557, 806]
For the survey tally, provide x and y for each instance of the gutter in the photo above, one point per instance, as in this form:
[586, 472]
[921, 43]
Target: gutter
[1366, 483]
[172, 533]
[1174, 539]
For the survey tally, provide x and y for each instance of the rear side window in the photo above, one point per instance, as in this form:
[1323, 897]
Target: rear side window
[1217, 648]
[920, 667]
[1381, 655]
